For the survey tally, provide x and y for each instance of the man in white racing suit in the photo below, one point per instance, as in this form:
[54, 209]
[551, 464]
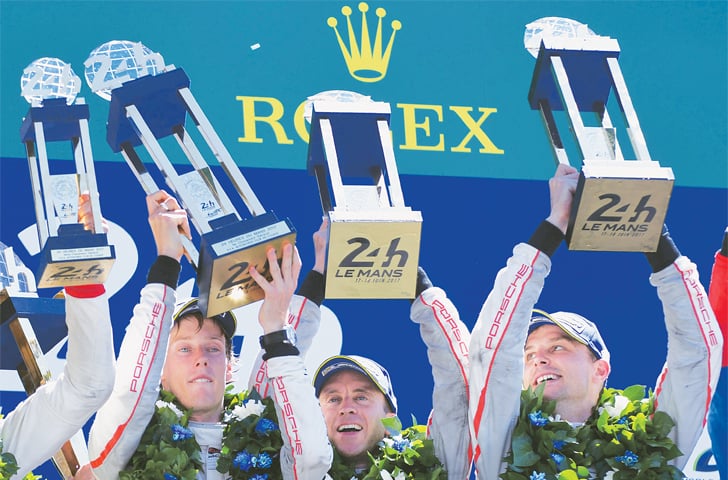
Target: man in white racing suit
[500, 368]
[41, 424]
[197, 365]
[446, 338]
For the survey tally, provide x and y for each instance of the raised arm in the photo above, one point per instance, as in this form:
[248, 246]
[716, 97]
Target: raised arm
[497, 340]
[306, 452]
[447, 339]
[120, 423]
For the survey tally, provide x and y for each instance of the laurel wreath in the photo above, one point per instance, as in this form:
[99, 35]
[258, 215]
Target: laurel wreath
[402, 455]
[251, 441]
[625, 438]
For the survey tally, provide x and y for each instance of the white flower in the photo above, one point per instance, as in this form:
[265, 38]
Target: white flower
[620, 402]
[161, 404]
[388, 476]
[251, 407]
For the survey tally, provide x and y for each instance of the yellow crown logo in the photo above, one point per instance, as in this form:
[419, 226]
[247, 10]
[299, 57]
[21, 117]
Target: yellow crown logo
[365, 63]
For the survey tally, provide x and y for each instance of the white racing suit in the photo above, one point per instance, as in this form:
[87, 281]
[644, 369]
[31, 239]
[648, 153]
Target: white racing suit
[447, 339]
[37, 428]
[683, 389]
[119, 425]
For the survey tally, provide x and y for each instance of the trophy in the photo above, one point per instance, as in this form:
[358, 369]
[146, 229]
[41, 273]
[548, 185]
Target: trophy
[70, 254]
[21, 349]
[150, 101]
[619, 205]
[374, 239]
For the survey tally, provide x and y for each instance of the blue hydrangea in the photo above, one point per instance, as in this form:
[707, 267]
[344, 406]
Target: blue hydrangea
[623, 421]
[265, 426]
[262, 476]
[263, 460]
[169, 476]
[180, 433]
[243, 461]
[629, 458]
[557, 458]
[559, 444]
[537, 476]
[537, 418]
[400, 444]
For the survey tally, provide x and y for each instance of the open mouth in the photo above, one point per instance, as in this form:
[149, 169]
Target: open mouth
[545, 378]
[349, 428]
[201, 380]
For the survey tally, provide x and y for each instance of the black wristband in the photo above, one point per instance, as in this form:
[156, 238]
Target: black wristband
[547, 238]
[313, 287]
[423, 282]
[280, 350]
[164, 270]
[665, 254]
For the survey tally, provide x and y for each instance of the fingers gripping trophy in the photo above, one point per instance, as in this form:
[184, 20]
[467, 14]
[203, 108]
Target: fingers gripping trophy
[71, 255]
[150, 101]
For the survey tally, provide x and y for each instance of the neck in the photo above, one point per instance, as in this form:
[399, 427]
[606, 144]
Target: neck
[208, 416]
[574, 412]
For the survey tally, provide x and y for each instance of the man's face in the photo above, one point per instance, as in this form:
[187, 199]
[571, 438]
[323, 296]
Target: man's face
[196, 369]
[353, 408]
[569, 370]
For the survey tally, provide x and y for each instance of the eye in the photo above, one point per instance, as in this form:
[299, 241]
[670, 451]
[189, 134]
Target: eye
[529, 355]
[361, 398]
[333, 400]
[557, 348]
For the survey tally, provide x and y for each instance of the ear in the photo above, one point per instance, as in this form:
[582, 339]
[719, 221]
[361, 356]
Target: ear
[229, 372]
[602, 370]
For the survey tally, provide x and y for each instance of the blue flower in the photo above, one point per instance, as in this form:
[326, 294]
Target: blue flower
[169, 476]
[243, 461]
[400, 444]
[537, 476]
[180, 433]
[559, 444]
[557, 457]
[537, 419]
[265, 426]
[262, 476]
[263, 460]
[623, 421]
[629, 458]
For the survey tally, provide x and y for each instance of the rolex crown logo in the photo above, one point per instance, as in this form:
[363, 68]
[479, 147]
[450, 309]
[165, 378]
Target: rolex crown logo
[365, 63]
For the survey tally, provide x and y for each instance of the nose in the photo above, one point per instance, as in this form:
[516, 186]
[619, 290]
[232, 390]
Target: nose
[201, 360]
[347, 406]
[539, 358]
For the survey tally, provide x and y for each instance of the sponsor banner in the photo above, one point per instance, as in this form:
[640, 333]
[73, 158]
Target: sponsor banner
[456, 74]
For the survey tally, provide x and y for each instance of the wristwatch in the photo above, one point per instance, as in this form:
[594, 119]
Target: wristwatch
[287, 335]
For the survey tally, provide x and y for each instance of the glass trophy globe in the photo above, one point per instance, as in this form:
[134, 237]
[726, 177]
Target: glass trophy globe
[553, 27]
[48, 78]
[109, 65]
[343, 96]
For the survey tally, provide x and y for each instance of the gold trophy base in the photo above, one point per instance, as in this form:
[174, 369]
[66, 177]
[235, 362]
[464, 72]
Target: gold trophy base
[619, 206]
[373, 258]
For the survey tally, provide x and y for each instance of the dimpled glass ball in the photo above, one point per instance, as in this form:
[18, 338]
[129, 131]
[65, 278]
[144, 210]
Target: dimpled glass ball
[343, 96]
[119, 61]
[553, 27]
[47, 78]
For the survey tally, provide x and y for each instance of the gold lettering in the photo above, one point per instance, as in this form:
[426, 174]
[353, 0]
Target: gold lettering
[475, 131]
[250, 120]
[411, 126]
[300, 122]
